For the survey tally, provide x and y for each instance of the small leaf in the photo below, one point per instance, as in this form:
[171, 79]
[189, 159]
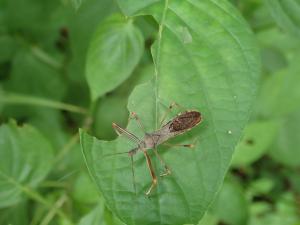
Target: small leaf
[114, 52]
[25, 160]
[257, 138]
[286, 14]
[205, 59]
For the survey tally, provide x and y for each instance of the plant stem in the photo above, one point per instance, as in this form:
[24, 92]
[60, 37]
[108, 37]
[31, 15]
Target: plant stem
[44, 57]
[57, 205]
[31, 100]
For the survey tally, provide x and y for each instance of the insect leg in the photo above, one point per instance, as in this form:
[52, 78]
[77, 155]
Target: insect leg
[166, 168]
[133, 115]
[121, 131]
[180, 145]
[170, 108]
[152, 173]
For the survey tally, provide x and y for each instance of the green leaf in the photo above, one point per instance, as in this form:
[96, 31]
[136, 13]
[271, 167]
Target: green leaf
[44, 80]
[255, 142]
[82, 27]
[16, 214]
[99, 215]
[236, 210]
[285, 212]
[77, 3]
[25, 160]
[285, 149]
[114, 52]
[116, 106]
[8, 47]
[286, 14]
[84, 190]
[208, 219]
[205, 59]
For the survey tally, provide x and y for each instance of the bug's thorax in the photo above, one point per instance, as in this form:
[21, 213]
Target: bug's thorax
[149, 141]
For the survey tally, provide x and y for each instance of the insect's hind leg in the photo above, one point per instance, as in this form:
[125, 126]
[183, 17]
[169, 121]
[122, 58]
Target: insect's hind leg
[167, 170]
[152, 173]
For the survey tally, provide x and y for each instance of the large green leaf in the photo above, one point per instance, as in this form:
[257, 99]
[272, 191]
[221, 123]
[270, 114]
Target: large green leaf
[205, 59]
[25, 160]
[115, 50]
[286, 14]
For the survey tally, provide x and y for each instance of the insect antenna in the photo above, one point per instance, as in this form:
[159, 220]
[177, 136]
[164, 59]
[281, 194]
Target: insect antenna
[133, 174]
[131, 153]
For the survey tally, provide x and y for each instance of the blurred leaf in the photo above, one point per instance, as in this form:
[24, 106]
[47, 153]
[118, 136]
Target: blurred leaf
[280, 94]
[208, 219]
[50, 124]
[26, 158]
[285, 212]
[2, 96]
[257, 138]
[34, 21]
[205, 59]
[8, 48]
[116, 103]
[273, 60]
[114, 52]
[286, 14]
[82, 26]
[84, 190]
[286, 148]
[77, 3]
[99, 216]
[262, 186]
[110, 109]
[17, 214]
[274, 38]
[44, 80]
[141, 75]
[236, 210]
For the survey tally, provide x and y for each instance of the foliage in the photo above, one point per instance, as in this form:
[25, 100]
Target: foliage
[66, 65]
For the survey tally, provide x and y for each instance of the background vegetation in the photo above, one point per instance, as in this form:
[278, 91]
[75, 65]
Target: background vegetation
[51, 52]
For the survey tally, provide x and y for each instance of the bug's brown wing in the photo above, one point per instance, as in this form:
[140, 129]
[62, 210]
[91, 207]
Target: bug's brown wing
[185, 121]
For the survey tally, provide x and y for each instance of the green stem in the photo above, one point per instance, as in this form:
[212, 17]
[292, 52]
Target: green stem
[31, 100]
[44, 57]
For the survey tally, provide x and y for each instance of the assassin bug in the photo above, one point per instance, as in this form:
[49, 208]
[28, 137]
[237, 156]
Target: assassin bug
[180, 124]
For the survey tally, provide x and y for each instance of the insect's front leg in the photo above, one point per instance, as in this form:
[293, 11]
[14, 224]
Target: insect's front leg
[170, 108]
[134, 116]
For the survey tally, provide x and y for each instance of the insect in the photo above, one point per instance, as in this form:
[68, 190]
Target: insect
[180, 124]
